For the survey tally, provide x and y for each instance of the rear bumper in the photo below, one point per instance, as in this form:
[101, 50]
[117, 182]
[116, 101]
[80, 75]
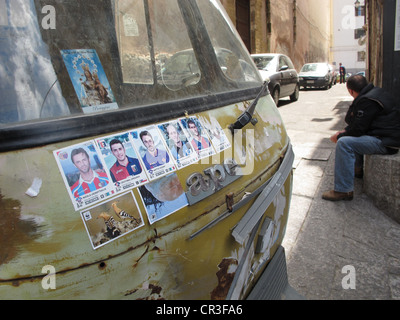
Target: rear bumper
[246, 231]
[243, 230]
[273, 283]
[314, 83]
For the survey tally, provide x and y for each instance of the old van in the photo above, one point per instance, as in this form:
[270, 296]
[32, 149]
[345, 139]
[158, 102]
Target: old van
[141, 155]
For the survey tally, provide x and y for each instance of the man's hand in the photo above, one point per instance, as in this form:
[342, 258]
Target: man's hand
[334, 138]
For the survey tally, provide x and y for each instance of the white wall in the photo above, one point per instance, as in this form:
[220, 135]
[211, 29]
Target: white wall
[345, 48]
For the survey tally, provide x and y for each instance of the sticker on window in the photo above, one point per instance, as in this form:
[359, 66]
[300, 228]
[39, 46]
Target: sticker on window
[89, 80]
[130, 26]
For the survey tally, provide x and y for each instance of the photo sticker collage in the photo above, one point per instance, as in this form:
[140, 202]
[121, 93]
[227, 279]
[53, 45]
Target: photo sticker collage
[100, 174]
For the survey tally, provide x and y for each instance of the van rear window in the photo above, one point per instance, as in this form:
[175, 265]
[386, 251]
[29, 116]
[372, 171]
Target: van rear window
[66, 58]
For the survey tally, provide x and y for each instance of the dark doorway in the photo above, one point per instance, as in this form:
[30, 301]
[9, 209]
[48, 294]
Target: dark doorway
[391, 55]
[243, 21]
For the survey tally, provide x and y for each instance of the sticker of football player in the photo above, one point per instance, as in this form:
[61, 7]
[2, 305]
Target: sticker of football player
[154, 154]
[121, 160]
[83, 174]
[199, 139]
[124, 165]
[89, 179]
[217, 135]
[178, 144]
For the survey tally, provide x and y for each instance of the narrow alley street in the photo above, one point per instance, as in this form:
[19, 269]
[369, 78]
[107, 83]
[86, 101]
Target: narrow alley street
[335, 250]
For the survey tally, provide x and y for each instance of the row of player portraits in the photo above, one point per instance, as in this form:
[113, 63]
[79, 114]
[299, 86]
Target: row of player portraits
[98, 169]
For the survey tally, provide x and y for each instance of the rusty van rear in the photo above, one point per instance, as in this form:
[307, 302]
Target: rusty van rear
[141, 155]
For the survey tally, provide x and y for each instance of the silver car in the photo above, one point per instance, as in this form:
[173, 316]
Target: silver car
[278, 69]
[316, 75]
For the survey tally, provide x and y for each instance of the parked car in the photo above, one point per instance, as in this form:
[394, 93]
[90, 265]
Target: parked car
[278, 69]
[317, 75]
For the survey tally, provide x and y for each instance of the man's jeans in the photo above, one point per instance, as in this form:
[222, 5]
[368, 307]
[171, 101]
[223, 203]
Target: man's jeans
[349, 154]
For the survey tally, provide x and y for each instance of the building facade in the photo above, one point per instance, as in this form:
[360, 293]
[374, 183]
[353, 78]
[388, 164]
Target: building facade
[300, 29]
[349, 45]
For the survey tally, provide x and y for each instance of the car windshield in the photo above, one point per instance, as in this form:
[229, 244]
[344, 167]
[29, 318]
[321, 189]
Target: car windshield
[62, 58]
[263, 63]
[314, 67]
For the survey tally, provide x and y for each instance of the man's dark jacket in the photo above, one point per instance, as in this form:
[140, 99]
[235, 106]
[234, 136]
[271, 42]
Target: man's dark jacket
[374, 113]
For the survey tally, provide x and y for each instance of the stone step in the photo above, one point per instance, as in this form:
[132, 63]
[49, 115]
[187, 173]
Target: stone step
[382, 183]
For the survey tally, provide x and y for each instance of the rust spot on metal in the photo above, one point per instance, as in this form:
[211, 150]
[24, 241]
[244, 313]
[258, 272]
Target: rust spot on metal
[102, 265]
[146, 292]
[155, 289]
[15, 283]
[225, 275]
[229, 201]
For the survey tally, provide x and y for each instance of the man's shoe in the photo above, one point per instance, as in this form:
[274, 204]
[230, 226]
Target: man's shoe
[358, 173]
[333, 195]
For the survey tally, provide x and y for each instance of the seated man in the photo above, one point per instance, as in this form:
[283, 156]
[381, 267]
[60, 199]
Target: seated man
[373, 128]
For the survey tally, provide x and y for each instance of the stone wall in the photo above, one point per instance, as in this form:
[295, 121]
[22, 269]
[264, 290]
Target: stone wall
[382, 183]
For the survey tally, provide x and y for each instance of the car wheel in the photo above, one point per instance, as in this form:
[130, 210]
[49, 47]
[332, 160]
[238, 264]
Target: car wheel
[275, 96]
[295, 94]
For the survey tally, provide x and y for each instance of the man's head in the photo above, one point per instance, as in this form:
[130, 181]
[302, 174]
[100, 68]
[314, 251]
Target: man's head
[80, 159]
[356, 83]
[118, 149]
[192, 127]
[147, 140]
[172, 133]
